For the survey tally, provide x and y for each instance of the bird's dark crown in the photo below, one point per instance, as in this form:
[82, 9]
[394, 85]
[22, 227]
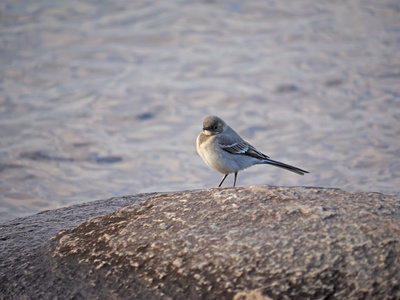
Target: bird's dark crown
[214, 124]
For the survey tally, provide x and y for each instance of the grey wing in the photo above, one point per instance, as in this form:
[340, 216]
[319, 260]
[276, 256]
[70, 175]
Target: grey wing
[234, 144]
[235, 148]
[255, 153]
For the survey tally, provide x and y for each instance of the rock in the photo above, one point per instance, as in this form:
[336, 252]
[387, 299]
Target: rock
[254, 242]
[22, 240]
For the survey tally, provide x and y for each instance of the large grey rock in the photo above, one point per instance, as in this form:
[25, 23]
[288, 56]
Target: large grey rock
[236, 243]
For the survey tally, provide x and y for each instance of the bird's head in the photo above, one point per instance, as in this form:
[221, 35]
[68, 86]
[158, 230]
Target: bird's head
[213, 125]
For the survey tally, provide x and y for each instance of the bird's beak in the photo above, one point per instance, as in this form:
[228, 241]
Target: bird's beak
[206, 128]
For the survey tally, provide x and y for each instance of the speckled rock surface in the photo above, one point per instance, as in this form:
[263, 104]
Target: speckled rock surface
[237, 243]
[23, 272]
[243, 243]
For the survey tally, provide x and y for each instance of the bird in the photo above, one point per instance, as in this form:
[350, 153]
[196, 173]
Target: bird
[225, 151]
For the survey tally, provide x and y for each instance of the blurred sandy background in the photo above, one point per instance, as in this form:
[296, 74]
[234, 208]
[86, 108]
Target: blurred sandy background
[106, 98]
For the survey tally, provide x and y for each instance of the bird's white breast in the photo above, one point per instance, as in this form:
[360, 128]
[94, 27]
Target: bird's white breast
[215, 157]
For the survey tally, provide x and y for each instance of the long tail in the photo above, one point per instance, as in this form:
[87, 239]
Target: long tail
[285, 166]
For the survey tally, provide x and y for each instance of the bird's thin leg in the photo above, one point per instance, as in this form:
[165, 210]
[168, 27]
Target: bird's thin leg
[234, 180]
[222, 180]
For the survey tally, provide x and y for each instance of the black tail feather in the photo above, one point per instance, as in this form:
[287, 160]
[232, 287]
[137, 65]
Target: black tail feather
[285, 166]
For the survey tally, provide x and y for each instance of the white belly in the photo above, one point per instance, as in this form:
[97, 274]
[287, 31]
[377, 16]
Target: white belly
[220, 160]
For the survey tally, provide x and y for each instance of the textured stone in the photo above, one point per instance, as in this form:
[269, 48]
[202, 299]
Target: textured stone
[254, 242]
[23, 274]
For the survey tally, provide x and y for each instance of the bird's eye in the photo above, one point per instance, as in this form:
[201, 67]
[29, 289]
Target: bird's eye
[215, 127]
